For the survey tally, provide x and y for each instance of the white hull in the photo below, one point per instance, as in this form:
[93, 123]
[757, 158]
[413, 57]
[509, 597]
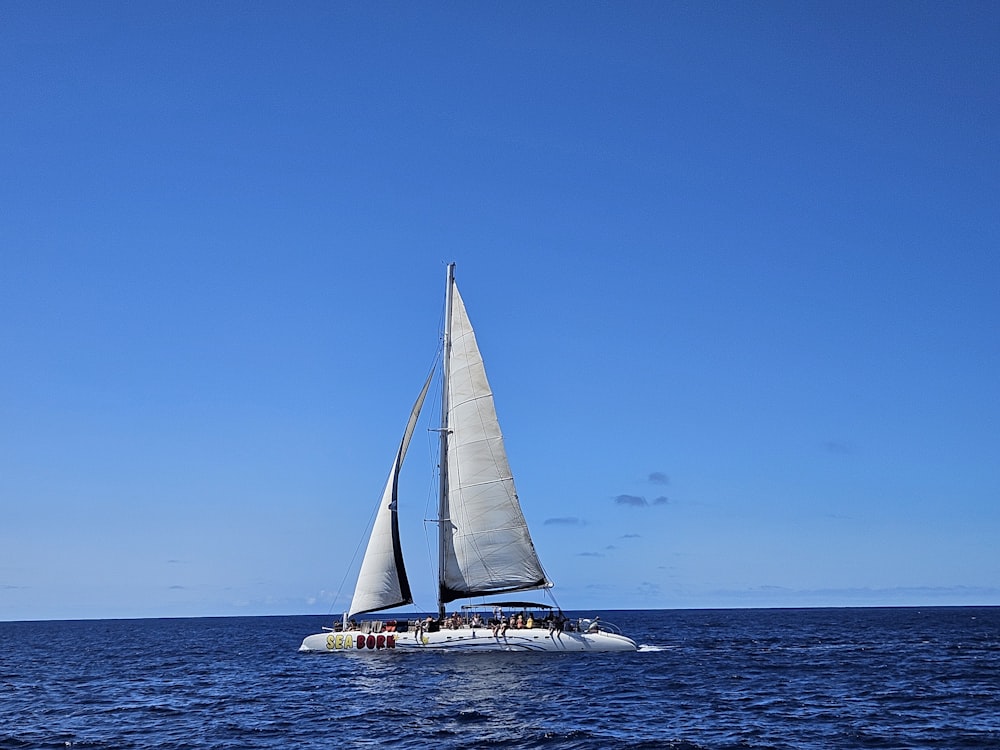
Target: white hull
[467, 639]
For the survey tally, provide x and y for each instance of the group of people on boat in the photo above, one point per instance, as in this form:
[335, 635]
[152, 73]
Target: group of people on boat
[499, 623]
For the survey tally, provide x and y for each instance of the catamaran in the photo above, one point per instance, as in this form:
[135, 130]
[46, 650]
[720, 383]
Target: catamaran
[484, 547]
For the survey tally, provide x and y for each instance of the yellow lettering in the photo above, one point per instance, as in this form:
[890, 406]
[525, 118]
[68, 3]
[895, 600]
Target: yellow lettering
[329, 642]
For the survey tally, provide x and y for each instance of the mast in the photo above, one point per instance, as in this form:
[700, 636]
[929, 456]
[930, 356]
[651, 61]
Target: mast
[443, 467]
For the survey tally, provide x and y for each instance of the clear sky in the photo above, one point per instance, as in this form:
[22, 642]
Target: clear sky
[734, 269]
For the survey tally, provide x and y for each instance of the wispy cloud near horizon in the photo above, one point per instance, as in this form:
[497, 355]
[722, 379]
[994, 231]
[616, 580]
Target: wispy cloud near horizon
[635, 501]
[639, 501]
[564, 521]
[838, 447]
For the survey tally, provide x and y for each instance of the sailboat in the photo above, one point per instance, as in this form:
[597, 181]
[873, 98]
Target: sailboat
[484, 546]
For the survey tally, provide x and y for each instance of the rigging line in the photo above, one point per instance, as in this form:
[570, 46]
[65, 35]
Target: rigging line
[350, 565]
[431, 554]
[431, 407]
[362, 540]
[432, 445]
[371, 519]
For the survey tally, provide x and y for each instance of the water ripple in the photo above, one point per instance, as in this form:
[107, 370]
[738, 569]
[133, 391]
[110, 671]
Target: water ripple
[704, 680]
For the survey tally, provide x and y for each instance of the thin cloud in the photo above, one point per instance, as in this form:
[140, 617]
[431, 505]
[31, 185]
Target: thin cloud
[631, 536]
[564, 521]
[633, 500]
[647, 588]
[658, 477]
[838, 447]
[589, 554]
[661, 500]
[863, 596]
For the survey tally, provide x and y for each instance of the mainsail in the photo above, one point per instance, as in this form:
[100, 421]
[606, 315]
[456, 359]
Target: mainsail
[485, 544]
[382, 582]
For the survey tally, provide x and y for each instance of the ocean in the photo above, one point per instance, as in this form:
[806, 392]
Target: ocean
[719, 679]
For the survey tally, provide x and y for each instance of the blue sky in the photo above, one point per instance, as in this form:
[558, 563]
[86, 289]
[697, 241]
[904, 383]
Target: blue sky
[733, 268]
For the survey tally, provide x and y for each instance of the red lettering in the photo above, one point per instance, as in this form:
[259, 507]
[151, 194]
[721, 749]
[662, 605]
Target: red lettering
[371, 641]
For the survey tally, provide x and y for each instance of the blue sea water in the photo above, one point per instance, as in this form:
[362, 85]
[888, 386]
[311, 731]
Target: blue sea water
[804, 679]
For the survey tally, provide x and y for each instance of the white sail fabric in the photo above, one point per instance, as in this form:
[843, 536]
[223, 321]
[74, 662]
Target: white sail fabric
[486, 547]
[382, 581]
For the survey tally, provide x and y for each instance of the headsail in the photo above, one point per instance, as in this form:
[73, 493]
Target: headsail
[382, 582]
[485, 544]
